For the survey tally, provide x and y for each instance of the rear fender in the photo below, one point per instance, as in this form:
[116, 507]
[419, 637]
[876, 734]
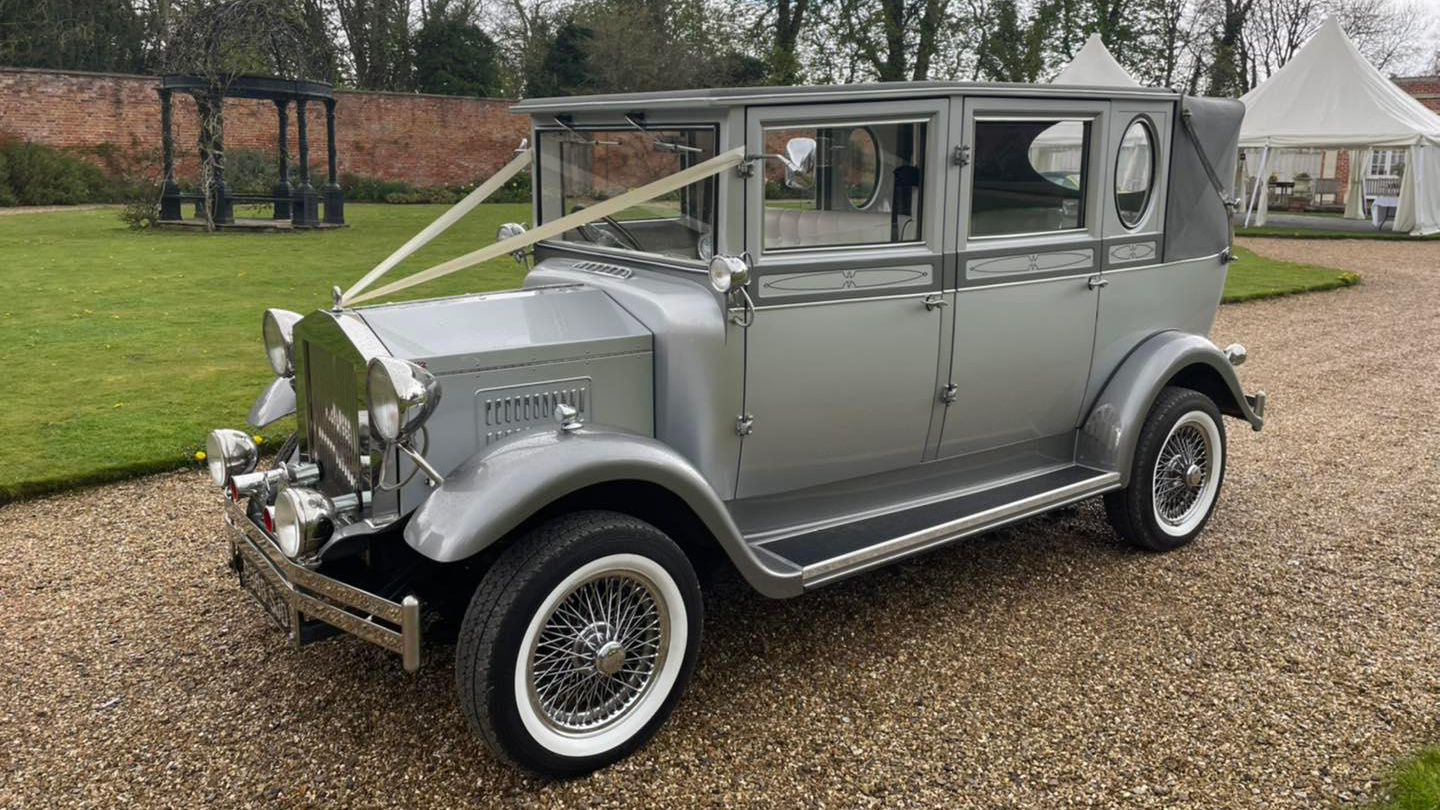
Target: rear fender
[1112, 428]
[501, 486]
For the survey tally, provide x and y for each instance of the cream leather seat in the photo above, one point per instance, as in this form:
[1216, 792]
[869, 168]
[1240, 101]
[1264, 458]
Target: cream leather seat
[795, 227]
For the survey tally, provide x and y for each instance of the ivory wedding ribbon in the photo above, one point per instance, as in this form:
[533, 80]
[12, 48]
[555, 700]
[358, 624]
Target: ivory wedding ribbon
[445, 220]
[644, 193]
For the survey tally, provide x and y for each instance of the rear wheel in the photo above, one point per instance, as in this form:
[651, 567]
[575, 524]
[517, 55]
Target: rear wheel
[1176, 475]
[578, 643]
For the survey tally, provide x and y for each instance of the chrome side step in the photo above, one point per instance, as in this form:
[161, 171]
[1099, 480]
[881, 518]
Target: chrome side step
[839, 551]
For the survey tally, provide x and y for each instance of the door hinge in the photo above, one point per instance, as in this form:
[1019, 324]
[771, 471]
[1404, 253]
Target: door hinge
[746, 168]
[935, 301]
[744, 424]
[947, 394]
[961, 156]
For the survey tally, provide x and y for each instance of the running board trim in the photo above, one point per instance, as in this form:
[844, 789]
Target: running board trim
[861, 559]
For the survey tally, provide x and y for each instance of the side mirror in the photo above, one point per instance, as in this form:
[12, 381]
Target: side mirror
[799, 160]
[729, 273]
[510, 230]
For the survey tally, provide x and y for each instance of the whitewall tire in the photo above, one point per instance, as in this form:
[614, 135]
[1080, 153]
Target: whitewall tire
[1176, 475]
[578, 643]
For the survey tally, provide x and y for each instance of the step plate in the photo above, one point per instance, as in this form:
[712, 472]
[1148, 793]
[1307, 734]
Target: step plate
[845, 549]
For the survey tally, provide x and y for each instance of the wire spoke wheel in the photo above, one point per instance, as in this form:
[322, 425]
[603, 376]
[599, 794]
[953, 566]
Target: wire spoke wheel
[598, 652]
[1184, 480]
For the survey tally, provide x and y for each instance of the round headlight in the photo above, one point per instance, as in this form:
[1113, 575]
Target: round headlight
[304, 520]
[278, 329]
[229, 453]
[401, 397]
[727, 272]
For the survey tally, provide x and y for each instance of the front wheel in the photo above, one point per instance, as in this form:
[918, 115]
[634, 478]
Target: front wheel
[1176, 475]
[578, 643]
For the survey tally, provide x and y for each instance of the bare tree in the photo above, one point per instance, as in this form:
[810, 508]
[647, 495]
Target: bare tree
[377, 33]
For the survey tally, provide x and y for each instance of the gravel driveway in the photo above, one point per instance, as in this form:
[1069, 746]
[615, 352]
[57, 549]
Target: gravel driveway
[1282, 661]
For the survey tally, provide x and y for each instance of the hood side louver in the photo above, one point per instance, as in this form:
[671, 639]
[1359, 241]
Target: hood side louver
[503, 412]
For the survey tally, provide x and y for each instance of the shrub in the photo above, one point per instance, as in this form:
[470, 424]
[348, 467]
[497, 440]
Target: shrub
[515, 190]
[7, 197]
[251, 171]
[141, 213]
[44, 175]
[437, 194]
[363, 188]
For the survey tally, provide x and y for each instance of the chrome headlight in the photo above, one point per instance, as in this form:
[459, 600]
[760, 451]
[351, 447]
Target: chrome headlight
[279, 329]
[229, 453]
[401, 396]
[727, 272]
[304, 520]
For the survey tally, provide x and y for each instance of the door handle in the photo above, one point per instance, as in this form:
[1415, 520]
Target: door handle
[935, 301]
[1096, 282]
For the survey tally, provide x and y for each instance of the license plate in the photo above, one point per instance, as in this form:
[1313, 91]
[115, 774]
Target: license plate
[260, 588]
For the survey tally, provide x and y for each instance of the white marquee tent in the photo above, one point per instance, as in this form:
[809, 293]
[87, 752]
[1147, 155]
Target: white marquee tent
[1093, 65]
[1328, 97]
[1059, 147]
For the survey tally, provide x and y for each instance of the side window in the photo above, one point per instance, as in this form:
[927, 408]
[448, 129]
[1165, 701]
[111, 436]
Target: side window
[844, 185]
[1134, 173]
[1030, 176]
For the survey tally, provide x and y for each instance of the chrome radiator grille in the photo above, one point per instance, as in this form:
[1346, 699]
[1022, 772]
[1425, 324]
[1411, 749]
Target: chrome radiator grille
[332, 420]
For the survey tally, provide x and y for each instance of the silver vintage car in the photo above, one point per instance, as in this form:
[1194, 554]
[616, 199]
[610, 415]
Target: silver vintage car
[896, 316]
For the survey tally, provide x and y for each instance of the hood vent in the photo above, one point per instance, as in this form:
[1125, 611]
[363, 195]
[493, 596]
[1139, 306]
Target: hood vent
[603, 269]
[503, 412]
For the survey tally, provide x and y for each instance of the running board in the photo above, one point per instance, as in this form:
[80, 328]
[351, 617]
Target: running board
[839, 551]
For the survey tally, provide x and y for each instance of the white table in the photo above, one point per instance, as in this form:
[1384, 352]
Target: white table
[1383, 208]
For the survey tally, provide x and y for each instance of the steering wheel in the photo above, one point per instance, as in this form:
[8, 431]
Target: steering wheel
[621, 237]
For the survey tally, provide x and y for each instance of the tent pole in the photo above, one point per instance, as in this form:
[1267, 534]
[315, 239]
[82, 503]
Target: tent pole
[1255, 187]
[1419, 202]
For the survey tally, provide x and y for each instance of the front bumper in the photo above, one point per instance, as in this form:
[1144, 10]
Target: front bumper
[306, 593]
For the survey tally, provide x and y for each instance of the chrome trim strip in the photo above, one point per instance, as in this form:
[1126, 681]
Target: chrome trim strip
[999, 284]
[829, 301]
[288, 578]
[993, 237]
[816, 573]
[866, 247]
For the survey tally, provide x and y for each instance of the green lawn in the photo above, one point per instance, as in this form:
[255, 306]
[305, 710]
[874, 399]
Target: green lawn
[1254, 276]
[122, 350]
[1284, 232]
[1414, 784]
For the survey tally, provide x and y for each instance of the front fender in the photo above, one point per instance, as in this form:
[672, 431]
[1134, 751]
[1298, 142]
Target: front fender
[1112, 428]
[277, 400]
[500, 486]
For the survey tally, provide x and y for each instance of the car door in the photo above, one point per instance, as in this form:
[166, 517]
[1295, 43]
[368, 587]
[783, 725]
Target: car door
[841, 358]
[1025, 288]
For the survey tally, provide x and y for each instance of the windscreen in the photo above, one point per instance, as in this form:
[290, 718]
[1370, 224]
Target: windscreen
[582, 167]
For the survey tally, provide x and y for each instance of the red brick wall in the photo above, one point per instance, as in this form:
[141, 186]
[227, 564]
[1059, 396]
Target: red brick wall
[424, 139]
[1424, 88]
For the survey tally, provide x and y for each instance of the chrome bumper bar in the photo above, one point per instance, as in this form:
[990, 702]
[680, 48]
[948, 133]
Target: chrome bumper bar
[336, 603]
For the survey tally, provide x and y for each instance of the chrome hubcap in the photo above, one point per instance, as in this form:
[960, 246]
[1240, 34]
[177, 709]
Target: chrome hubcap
[609, 658]
[598, 652]
[1181, 472]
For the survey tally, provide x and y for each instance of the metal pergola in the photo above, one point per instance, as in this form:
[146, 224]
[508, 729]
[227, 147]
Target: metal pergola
[298, 203]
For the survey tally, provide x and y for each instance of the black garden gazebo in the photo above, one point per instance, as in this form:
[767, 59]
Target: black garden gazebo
[300, 204]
